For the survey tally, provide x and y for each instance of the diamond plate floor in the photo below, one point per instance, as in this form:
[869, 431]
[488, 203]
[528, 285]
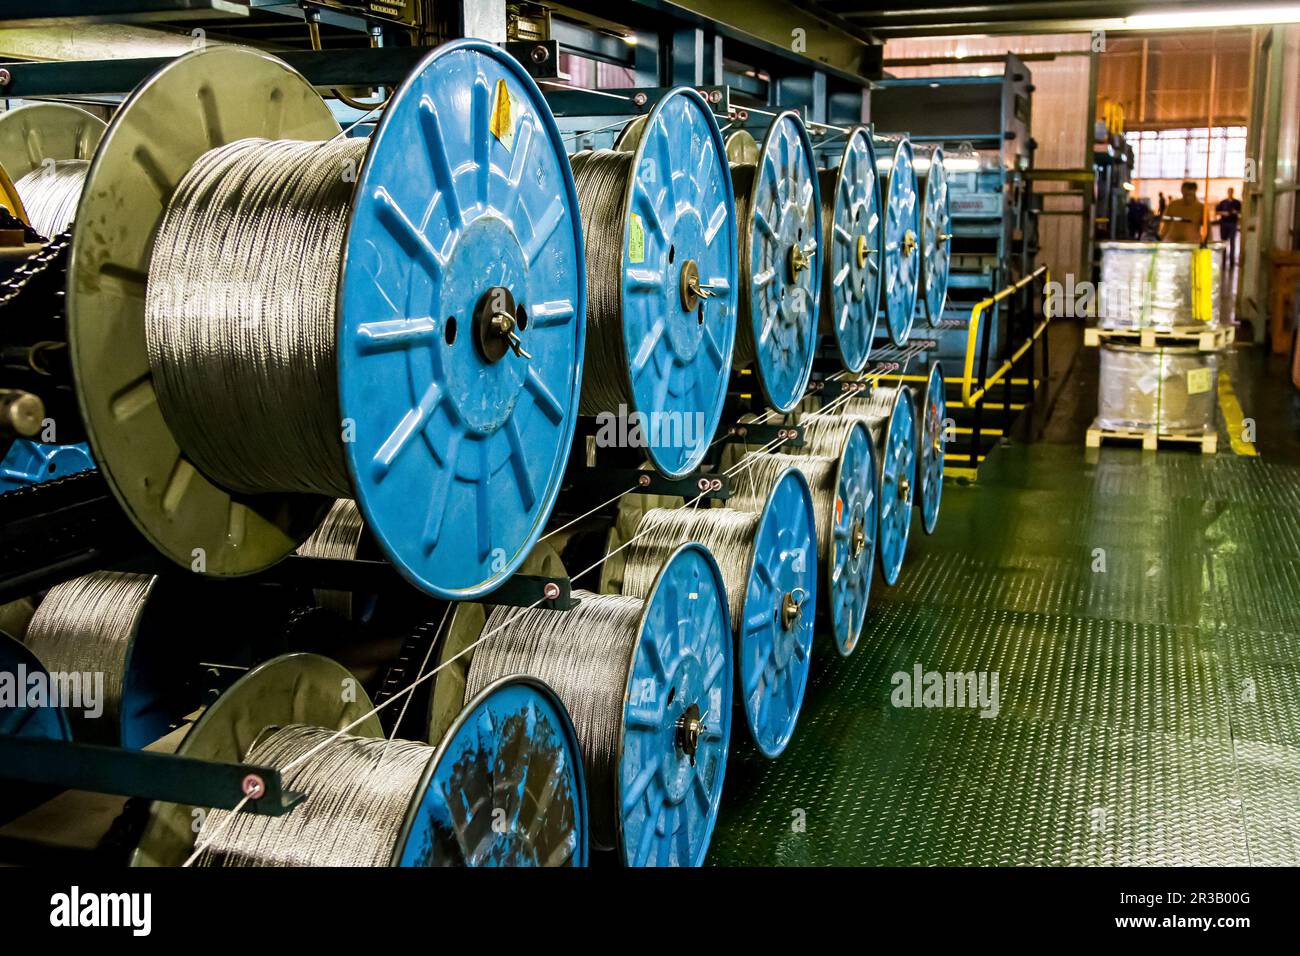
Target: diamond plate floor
[1143, 617]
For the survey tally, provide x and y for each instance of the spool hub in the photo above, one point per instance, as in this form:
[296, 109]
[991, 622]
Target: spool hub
[896, 459]
[773, 649]
[852, 277]
[901, 243]
[466, 193]
[677, 716]
[936, 239]
[505, 787]
[930, 440]
[847, 575]
[679, 276]
[781, 275]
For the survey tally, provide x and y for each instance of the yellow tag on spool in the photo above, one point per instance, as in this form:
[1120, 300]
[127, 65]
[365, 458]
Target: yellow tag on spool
[502, 123]
[1199, 380]
[1203, 284]
[635, 239]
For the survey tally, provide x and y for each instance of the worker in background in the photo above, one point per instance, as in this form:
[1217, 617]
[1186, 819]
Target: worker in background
[1183, 217]
[1160, 206]
[1229, 211]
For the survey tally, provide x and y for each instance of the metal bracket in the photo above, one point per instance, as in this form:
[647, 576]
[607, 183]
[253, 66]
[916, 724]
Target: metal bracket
[144, 773]
[791, 436]
[629, 102]
[602, 481]
[541, 58]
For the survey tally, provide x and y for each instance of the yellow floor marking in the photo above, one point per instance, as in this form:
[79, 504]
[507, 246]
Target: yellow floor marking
[1233, 417]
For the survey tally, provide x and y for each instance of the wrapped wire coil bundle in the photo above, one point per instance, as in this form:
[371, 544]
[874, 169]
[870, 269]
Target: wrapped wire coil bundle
[50, 193]
[261, 374]
[769, 564]
[1169, 389]
[659, 223]
[844, 502]
[648, 683]
[376, 802]
[1160, 285]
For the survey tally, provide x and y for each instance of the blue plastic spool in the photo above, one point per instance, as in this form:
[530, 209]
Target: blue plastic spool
[17, 718]
[896, 460]
[681, 222]
[852, 277]
[936, 239]
[930, 442]
[465, 213]
[667, 800]
[513, 749]
[774, 652]
[785, 215]
[902, 243]
[853, 539]
[30, 463]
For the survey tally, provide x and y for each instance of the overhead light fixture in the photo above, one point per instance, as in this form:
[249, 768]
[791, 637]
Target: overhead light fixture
[1223, 17]
[629, 39]
[1129, 187]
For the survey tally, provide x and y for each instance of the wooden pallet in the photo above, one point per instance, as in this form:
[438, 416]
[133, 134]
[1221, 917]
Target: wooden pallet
[1207, 340]
[1152, 439]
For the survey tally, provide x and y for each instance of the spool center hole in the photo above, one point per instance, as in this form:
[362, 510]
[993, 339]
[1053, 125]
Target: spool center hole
[450, 332]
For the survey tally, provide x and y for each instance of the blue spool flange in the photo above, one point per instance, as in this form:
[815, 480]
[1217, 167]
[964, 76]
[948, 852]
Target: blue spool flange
[667, 801]
[29, 463]
[505, 787]
[681, 222]
[18, 664]
[773, 650]
[780, 268]
[936, 239]
[930, 444]
[852, 277]
[465, 214]
[853, 538]
[896, 456]
[902, 243]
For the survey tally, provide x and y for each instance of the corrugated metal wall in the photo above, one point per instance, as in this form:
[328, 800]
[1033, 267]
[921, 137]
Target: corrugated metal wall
[1176, 93]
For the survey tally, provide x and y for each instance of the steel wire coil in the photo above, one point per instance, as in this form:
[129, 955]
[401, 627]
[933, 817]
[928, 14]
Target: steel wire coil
[50, 194]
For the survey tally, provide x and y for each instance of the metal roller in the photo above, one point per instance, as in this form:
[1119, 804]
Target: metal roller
[852, 227]
[902, 236]
[936, 234]
[504, 788]
[660, 231]
[769, 565]
[449, 410]
[779, 217]
[648, 683]
[46, 148]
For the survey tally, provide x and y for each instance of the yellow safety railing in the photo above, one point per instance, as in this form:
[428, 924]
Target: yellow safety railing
[968, 381]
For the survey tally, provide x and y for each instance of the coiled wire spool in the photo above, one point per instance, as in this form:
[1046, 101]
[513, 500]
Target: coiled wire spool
[769, 563]
[338, 537]
[511, 758]
[844, 501]
[50, 194]
[902, 232]
[1159, 285]
[932, 418]
[779, 217]
[936, 235]
[463, 225]
[660, 231]
[1170, 389]
[648, 683]
[853, 227]
[101, 627]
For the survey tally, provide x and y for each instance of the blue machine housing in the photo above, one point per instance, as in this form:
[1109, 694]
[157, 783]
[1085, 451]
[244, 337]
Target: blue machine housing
[774, 659]
[848, 572]
[902, 243]
[852, 276]
[936, 240]
[930, 442]
[785, 206]
[897, 463]
[681, 216]
[667, 800]
[513, 749]
[465, 215]
[30, 463]
[17, 663]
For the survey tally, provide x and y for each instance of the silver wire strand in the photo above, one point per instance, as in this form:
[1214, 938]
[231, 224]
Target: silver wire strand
[339, 538]
[757, 485]
[50, 194]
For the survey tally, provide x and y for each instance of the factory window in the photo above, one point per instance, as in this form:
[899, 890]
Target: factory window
[1181, 153]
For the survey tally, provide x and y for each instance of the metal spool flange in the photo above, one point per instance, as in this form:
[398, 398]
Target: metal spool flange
[780, 261]
[192, 104]
[681, 671]
[292, 689]
[936, 239]
[896, 459]
[505, 787]
[678, 276]
[902, 241]
[465, 213]
[775, 633]
[846, 580]
[33, 135]
[930, 443]
[20, 720]
[852, 274]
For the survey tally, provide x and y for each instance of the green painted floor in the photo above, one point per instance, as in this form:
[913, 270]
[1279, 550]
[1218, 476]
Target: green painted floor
[1149, 713]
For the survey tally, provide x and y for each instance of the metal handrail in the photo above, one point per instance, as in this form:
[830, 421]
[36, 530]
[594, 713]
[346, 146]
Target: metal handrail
[968, 377]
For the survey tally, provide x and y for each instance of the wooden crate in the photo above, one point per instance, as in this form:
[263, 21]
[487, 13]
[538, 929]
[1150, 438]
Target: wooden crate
[1151, 439]
[1207, 340]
